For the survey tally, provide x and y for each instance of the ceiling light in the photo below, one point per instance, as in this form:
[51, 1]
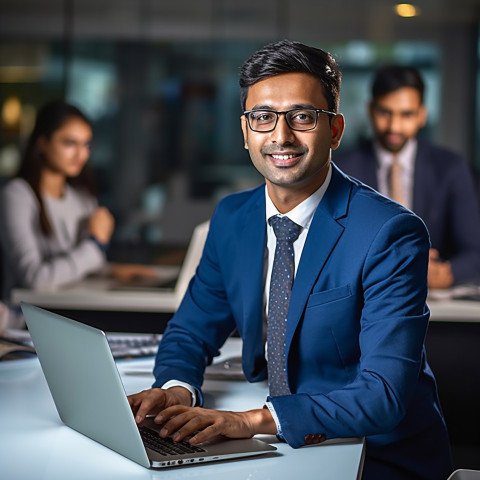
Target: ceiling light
[407, 10]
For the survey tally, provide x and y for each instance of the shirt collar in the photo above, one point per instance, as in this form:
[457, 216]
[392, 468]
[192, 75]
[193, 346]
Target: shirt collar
[303, 213]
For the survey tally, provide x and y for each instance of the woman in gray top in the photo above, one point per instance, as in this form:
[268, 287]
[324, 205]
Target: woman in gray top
[53, 232]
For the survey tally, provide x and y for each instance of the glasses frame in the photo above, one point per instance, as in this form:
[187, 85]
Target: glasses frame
[317, 111]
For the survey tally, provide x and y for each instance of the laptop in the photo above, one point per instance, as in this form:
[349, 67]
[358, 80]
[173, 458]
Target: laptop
[172, 279]
[90, 398]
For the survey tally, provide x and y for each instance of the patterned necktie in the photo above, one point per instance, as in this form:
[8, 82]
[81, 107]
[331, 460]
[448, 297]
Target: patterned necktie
[283, 272]
[397, 192]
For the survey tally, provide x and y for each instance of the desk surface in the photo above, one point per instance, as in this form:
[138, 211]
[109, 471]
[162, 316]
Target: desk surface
[450, 310]
[96, 294]
[35, 444]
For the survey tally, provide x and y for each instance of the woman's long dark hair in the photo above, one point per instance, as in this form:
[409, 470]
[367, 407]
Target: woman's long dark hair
[50, 118]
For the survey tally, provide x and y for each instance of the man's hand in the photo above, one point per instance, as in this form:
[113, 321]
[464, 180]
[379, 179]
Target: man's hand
[181, 422]
[155, 400]
[439, 272]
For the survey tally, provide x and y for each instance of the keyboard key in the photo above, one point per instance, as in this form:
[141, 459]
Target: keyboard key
[166, 446]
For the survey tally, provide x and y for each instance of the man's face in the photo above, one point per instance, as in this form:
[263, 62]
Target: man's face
[397, 117]
[290, 159]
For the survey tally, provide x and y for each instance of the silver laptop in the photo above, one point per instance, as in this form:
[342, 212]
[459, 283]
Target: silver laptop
[90, 398]
[171, 278]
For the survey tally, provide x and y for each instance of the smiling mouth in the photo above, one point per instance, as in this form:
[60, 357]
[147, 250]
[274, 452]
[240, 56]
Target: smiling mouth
[283, 157]
[285, 160]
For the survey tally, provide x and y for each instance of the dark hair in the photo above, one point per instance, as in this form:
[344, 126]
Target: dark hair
[50, 118]
[286, 56]
[392, 77]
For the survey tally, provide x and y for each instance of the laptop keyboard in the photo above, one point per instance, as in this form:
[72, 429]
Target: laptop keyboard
[166, 446]
[124, 345]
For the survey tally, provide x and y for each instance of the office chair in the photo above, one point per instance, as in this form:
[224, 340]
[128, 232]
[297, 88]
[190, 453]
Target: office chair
[465, 475]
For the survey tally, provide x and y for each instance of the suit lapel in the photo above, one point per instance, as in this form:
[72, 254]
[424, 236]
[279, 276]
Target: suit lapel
[324, 233]
[250, 264]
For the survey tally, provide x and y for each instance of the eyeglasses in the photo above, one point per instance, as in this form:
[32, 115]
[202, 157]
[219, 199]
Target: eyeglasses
[300, 119]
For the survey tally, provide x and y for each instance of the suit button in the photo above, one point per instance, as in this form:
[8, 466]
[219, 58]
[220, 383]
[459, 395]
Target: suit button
[308, 439]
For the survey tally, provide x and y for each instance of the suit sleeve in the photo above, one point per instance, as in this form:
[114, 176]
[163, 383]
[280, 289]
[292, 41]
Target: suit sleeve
[393, 324]
[201, 324]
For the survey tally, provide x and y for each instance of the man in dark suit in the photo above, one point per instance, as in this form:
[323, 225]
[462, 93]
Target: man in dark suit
[433, 182]
[345, 344]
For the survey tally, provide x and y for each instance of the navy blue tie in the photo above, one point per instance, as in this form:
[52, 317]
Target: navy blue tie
[283, 272]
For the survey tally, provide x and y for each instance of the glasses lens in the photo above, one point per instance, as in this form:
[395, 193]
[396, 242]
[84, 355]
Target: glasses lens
[304, 119]
[262, 121]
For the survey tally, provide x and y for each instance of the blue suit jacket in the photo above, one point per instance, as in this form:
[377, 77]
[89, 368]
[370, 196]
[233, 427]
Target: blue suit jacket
[443, 196]
[356, 326]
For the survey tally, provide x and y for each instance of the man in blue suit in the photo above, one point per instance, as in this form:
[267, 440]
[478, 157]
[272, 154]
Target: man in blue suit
[354, 361]
[436, 183]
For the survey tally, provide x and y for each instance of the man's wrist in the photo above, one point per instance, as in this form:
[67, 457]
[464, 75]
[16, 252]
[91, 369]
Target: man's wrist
[261, 421]
[182, 396]
[188, 391]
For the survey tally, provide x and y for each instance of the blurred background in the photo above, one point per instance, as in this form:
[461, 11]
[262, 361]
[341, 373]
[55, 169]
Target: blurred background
[160, 81]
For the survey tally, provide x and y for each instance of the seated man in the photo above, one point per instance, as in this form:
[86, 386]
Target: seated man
[433, 182]
[345, 344]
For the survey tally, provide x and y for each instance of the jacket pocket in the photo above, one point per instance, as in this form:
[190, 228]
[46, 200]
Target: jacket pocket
[327, 296]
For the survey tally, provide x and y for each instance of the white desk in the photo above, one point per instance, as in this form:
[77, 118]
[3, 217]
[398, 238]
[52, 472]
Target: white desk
[448, 310]
[96, 294]
[447, 305]
[34, 444]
